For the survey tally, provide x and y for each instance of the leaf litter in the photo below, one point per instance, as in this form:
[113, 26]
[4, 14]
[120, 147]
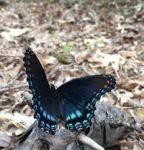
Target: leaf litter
[72, 42]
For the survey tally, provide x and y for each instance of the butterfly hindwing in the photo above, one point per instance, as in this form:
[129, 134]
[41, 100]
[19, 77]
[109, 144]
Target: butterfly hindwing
[74, 101]
[78, 98]
[43, 101]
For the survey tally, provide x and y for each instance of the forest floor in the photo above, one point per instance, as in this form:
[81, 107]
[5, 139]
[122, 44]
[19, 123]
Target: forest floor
[72, 39]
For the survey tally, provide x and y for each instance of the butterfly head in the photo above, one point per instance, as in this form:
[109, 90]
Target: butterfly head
[52, 87]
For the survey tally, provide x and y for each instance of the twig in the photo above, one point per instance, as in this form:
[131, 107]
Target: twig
[88, 141]
[10, 86]
[5, 107]
[6, 55]
[11, 82]
[135, 104]
[4, 89]
[85, 69]
[59, 68]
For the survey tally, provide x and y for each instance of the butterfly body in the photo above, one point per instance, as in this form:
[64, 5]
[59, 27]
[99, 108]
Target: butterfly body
[73, 102]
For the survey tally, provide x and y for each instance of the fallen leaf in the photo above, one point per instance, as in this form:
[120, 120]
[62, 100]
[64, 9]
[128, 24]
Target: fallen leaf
[130, 86]
[4, 139]
[47, 60]
[138, 145]
[10, 33]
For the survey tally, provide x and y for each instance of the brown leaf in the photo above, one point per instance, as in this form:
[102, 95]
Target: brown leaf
[138, 145]
[47, 60]
[130, 86]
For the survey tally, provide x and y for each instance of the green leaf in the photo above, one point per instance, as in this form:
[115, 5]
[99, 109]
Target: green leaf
[67, 48]
[65, 59]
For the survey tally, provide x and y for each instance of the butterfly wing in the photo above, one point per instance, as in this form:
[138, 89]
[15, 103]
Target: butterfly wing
[78, 98]
[44, 104]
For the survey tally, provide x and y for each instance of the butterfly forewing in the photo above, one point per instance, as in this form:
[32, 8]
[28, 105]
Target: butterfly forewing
[78, 98]
[44, 104]
[74, 101]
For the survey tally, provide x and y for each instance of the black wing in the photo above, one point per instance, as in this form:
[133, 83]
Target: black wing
[78, 98]
[44, 104]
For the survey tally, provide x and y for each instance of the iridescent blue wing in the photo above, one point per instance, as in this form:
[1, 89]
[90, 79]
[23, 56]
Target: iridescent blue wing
[44, 104]
[78, 98]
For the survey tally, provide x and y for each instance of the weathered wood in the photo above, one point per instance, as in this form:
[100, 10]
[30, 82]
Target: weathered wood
[108, 125]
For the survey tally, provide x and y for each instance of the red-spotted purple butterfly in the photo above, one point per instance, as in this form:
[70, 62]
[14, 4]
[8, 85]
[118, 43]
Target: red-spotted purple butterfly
[73, 102]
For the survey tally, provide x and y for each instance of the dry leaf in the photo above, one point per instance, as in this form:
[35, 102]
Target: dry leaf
[138, 146]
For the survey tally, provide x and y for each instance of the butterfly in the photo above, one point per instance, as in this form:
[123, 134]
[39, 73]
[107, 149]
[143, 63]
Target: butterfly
[73, 102]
